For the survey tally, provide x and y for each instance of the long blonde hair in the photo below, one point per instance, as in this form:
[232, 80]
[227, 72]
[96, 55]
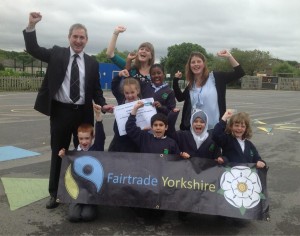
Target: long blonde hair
[131, 81]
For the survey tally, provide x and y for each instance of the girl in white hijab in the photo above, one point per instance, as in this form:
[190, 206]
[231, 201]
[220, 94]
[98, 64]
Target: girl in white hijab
[195, 142]
[199, 127]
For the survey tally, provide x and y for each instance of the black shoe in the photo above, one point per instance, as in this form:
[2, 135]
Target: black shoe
[52, 203]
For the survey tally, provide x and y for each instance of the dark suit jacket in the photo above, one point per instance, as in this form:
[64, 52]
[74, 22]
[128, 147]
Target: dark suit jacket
[58, 59]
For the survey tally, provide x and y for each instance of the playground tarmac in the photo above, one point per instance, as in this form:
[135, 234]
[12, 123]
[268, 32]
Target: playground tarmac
[276, 134]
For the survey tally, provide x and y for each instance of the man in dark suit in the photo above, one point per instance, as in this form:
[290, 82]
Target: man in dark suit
[54, 97]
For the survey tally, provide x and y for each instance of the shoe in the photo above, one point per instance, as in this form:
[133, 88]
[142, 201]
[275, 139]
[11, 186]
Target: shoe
[52, 203]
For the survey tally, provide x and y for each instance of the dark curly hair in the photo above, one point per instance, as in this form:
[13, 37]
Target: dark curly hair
[159, 117]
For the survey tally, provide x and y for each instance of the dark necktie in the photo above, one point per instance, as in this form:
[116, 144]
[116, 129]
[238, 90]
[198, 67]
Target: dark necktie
[74, 82]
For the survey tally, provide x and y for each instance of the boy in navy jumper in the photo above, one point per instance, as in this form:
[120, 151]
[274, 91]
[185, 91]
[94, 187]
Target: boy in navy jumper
[156, 142]
[87, 212]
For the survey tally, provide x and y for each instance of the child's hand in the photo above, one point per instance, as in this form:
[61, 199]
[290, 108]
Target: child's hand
[176, 109]
[260, 164]
[220, 160]
[147, 128]
[62, 153]
[178, 75]
[108, 108]
[185, 155]
[139, 104]
[227, 115]
[156, 104]
[124, 73]
[97, 110]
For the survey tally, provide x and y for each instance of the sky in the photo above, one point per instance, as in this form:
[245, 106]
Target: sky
[267, 25]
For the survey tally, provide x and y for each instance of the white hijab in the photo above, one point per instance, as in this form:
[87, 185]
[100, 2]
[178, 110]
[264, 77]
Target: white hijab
[199, 138]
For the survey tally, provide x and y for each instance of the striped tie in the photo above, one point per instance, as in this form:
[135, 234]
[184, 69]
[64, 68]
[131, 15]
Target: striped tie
[74, 82]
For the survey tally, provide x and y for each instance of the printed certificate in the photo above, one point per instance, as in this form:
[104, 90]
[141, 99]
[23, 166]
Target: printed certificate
[143, 116]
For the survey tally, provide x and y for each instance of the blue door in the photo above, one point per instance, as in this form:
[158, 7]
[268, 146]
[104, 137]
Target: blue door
[107, 71]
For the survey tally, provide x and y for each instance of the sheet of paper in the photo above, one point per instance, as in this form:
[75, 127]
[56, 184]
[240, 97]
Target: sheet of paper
[143, 116]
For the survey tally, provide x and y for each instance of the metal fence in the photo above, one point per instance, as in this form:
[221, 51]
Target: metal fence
[20, 83]
[34, 83]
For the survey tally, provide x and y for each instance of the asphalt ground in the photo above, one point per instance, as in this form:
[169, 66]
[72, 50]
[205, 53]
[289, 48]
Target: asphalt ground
[23, 127]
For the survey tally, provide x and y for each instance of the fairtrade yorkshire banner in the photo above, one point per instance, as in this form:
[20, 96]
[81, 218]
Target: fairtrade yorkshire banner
[164, 182]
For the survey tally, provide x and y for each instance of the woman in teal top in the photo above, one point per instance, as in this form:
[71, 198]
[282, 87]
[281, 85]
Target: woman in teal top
[143, 59]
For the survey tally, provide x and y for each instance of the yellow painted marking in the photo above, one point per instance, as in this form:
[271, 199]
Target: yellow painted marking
[282, 128]
[268, 130]
[289, 127]
[259, 122]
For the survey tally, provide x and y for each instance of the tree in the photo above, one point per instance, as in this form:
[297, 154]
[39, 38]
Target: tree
[178, 55]
[283, 68]
[102, 58]
[26, 59]
[252, 61]
[293, 63]
[219, 64]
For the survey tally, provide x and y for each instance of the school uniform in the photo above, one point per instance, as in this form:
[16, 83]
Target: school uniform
[186, 143]
[147, 142]
[231, 148]
[163, 94]
[88, 212]
[186, 140]
[122, 143]
[116, 87]
[166, 96]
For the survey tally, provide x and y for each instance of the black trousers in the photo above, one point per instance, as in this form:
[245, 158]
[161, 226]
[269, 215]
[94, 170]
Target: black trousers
[64, 121]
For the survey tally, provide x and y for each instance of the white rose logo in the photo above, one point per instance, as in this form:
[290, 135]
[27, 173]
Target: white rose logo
[241, 187]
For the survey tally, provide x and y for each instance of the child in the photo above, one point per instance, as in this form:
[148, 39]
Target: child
[130, 92]
[87, 212]
[233, 138]
[196, 142]
[156, 142]
[163, 95]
